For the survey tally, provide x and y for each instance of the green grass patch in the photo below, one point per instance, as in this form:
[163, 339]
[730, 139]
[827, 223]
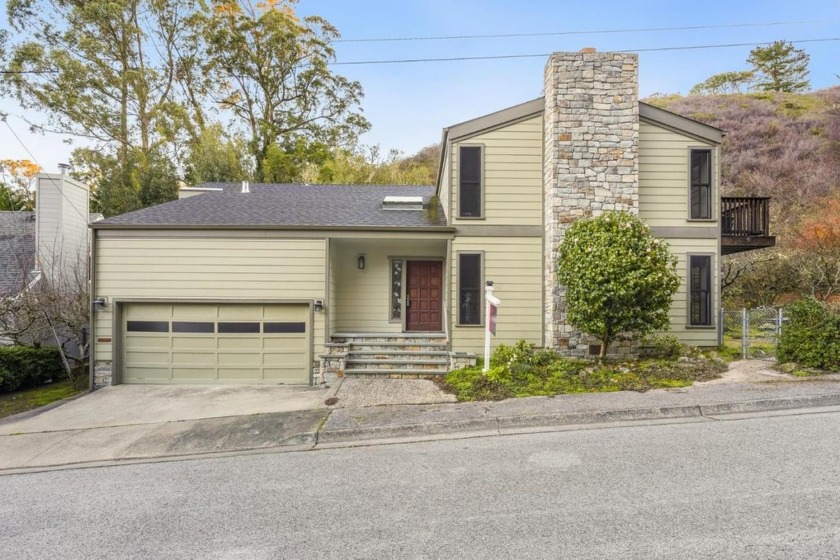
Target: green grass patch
[522, 371]
[730, 353]
[27, 399]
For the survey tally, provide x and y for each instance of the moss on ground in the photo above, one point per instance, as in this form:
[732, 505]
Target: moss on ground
[521, 371]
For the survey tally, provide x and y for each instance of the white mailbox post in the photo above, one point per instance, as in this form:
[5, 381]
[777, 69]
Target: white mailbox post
[492, 303]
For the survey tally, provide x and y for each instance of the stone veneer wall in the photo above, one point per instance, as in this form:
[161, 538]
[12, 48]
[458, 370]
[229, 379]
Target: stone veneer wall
[102, 374]
[591, 162]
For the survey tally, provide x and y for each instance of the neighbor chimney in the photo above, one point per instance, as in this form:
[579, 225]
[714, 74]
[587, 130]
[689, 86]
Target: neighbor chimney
[246, 188]
[63, 168]
[591, 165]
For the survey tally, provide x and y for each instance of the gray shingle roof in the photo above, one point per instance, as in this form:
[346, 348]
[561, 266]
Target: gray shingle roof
[17, 250]
[288, 206]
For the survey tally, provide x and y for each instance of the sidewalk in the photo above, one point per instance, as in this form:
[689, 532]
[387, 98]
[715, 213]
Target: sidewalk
[375, 410]
[401, 421]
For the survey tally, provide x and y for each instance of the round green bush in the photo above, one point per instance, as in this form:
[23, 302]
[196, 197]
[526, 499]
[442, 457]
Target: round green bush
[811, 335]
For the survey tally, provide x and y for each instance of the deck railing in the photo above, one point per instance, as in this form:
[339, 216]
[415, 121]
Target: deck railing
[745, 216]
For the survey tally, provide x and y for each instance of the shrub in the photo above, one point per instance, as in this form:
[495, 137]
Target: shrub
[22, 367]
[618, 277]
[662, 346]
[811, 335]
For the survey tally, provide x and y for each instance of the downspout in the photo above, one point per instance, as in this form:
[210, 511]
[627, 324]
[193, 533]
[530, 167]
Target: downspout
[92, 291]
[447, 265]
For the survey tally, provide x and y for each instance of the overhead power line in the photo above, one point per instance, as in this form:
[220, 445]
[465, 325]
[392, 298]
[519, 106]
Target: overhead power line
[543, 55]
[581, 32]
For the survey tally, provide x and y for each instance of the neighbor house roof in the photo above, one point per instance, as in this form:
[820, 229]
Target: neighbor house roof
[282, 206]
[17, 250]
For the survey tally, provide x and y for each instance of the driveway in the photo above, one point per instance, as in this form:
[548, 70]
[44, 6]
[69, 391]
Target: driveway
[146, 421]
[128, 405]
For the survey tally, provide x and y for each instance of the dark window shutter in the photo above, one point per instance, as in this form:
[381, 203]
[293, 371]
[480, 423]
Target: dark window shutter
[470, 182]
[700, 290]
[469, 289]
[701, 184]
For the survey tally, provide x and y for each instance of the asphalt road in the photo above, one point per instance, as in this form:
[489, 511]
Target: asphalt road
[763, 488]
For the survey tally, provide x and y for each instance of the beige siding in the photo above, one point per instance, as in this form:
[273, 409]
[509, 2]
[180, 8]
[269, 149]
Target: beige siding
[663, 177]
[694, 336]
[208, 269]
[361, 300]
[515, 265]
[513, 174]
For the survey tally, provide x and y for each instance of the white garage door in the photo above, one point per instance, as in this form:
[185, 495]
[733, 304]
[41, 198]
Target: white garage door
[225, 343]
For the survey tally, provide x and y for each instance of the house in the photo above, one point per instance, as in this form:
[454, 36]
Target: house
[17, 252]
[47, 247]
[238, 283]
[49, 241]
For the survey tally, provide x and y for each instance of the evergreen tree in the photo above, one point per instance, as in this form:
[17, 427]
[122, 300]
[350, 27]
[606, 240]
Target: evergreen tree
[780, 67]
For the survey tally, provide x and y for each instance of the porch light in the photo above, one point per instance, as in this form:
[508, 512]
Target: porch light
[360, 262]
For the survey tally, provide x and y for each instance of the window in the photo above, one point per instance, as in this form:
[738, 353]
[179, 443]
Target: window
[193, 327]
[238, 328]
[700, 290]
[701, 184]
[469, 289]
[469, 182]
[147, 326]
[396, 289]
[284, 328]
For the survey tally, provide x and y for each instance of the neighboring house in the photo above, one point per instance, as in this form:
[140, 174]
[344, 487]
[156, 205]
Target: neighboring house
[49, 245]
[17, 252]
[270, 283]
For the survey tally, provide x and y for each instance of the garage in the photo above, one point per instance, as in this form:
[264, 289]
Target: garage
[192, 343]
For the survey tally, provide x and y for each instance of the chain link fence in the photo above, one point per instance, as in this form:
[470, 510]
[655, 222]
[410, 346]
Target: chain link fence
[754, 331]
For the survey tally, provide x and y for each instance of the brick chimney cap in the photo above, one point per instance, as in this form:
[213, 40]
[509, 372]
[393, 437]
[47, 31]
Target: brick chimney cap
[588, 50]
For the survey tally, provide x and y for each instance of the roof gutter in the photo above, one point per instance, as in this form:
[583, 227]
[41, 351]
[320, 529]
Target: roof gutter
[421, 229]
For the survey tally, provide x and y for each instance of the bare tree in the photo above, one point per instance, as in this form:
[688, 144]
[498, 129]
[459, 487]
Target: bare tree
[54, 289]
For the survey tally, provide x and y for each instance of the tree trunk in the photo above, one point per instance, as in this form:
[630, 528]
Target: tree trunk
[604, 347]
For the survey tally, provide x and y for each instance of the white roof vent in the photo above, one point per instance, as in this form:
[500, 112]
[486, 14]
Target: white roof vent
[246, 188]
[402, 203]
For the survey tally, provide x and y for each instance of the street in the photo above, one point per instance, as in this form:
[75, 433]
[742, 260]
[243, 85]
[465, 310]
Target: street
[761, 487]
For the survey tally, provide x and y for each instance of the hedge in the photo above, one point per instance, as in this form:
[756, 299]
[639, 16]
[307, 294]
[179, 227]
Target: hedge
[811, 335]
[22, 367]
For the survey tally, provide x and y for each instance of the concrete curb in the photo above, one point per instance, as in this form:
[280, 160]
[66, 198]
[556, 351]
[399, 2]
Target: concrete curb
[498, 423]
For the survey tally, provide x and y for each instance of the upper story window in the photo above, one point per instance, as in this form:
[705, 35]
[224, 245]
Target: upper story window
[701, 184]
[469, 182]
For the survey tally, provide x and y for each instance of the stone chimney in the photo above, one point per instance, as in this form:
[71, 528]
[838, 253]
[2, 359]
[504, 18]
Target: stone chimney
[591, 159]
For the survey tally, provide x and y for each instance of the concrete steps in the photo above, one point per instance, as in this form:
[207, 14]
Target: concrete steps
[393, 355]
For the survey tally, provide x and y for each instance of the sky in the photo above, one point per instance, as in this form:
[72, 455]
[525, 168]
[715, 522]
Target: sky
[409, 103]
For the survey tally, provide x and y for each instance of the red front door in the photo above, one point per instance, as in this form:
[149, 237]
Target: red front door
[425, 296]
